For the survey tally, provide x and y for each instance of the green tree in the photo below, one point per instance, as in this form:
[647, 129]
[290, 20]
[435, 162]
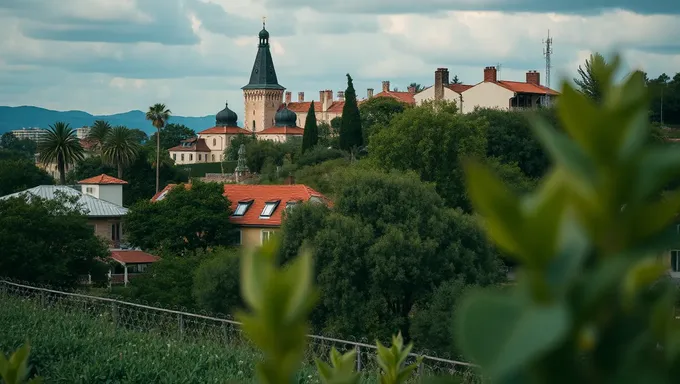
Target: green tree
[588, 82]
[48, 241]
[158, 115]
[99, 133]
[171, 135]
[7, 140]
[320, 176]
[25, 147]
[216, 282]
[311, 135]
[351, 136]
[231, 153]
[140, 136]
[377, 113]
[369, 286]
[432, 143]
[60, 145]
[417, 87]
[120, 148]
[187, 219]
[168, 282]
[17, 175]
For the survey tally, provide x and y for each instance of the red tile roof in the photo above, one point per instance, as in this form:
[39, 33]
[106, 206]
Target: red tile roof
[196, 146]
[303, 106]
[282, 131]
[87, 144]
[132, 257]
[459, 88]
[520, 87]
[406, 97]
[261, 194]
[102, 179]
[224, 131]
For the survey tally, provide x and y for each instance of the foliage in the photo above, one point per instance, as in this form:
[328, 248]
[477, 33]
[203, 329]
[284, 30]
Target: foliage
[17, 175]
[120, 148]
[665, 99]
[311, 135]
[377, 112]
[588, 82]
[511, 175]
[48, 241]
[318, 155]
[368, 286]
[16, 370]
[60, 145]
[432, 143]
[589, 240]
[10, 142]
[391, 361]
[168, 282]
[340, 370]
[231, 153]
[441, 106]
[187, 219]
[171, 135]
[98, 134]
[201, 169]
[351, 136]
[216, 282]
[328, 135]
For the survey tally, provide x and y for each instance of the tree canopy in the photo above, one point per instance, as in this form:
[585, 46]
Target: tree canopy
[171, 135]
[589, 81]
[17, 175]
[187, 219]
[351, 136]
[377, 112]
[60, 145]
[311, 135]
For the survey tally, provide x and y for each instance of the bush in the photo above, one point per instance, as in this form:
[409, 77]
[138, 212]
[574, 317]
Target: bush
[168, 283]
[216, 282]
[319, 154]
[200, 169]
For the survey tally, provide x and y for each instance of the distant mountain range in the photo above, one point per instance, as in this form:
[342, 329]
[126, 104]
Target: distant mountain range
[28, 117]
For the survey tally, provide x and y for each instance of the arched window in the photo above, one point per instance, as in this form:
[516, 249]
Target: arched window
[213, 157]
[214, 142]
[253, 125]
[182, 157]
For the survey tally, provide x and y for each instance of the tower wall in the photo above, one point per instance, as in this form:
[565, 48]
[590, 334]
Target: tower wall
[260, 107]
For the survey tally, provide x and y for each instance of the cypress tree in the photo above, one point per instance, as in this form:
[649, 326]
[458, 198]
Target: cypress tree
[350, 129]
[311, 135]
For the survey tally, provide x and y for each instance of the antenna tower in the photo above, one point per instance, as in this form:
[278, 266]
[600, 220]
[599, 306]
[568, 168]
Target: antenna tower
[498, 70]
[547, 52]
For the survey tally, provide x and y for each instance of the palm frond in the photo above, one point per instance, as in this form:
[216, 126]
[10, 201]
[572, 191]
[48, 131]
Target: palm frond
[121, 147]
[60, 141]
[158, 115]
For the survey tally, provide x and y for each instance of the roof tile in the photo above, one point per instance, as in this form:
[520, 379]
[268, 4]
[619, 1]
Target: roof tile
[133, 256]
[224, 131]
[406, 97]
[282, 131]
[102, 179]
[196, 146]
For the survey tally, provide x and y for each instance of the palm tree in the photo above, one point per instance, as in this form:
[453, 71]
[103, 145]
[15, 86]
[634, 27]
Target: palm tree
[120, 148]
[98, 134]
[60, 144]
[589, 82]
[158, 115]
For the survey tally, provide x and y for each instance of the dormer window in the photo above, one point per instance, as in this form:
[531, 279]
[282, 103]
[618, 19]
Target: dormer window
[269, 208]
[162, 195]
[242, 207]
[186, 144]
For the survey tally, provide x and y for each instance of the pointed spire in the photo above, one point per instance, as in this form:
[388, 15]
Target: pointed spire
[263, 75]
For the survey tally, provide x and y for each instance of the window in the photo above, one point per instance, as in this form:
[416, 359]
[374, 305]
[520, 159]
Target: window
[174, 156]
[242, 207]
[137, 268]
[266, 235]
[162, 195]
[214, 142]
[239, 237]
[182, 157]
[213, 157]
[191, 157]
[89, 190]
[115, 231]
[269, 208]
[199, 157]
[675, 260]
[253, 123]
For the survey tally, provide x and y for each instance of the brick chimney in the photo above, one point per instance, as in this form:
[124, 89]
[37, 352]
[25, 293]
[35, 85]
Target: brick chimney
[329, 95]
[385, 86]
[534, 77]
[322, 96]
[411, 89]
[301, 96]
[341, 95]
[490, 75]
[441, 80]
[289, 95]
[369, 93]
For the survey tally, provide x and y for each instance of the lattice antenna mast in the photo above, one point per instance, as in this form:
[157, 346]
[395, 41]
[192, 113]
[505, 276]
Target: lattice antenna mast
[547, 53]
[498, 70]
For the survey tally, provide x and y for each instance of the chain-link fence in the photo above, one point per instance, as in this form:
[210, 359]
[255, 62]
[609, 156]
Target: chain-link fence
[194, 327]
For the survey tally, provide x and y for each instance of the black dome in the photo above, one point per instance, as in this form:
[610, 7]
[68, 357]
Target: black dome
[264, 34]
[285, 118]
[226, 117]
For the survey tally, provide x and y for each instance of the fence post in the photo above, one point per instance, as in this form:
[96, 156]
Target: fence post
[114, 313]
[180, 325]
[358, 358]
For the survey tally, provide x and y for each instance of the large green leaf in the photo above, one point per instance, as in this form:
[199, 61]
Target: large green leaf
[503, 333]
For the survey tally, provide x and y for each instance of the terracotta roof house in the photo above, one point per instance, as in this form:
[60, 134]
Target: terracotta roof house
[405, 97]
[490, 93]
[258, 209]
[128, 264]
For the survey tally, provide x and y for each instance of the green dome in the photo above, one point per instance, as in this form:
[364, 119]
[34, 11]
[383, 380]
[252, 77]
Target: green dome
[264, 34]
[226, 117]
[285, 118]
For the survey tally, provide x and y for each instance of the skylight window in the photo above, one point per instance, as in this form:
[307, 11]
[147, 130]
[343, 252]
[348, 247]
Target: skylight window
[162, 195]
[242, 207]
[269, 208]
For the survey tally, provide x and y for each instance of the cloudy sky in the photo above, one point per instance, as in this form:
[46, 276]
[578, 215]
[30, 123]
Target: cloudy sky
[110, 56]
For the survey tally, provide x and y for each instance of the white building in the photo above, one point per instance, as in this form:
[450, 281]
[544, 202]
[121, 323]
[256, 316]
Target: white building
[34, 134]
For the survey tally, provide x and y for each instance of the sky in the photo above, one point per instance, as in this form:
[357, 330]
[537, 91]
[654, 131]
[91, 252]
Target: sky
[112, 56]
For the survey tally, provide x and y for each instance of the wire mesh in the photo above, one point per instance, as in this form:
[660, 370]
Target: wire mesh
[196, 328]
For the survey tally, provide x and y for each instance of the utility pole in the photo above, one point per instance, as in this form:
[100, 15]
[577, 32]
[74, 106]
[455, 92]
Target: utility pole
[547, 53]
[498, 71]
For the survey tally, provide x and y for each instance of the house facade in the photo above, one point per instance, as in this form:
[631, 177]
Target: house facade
[490, 93]
[257, 210]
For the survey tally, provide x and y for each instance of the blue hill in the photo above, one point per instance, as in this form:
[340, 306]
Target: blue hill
[27, 116]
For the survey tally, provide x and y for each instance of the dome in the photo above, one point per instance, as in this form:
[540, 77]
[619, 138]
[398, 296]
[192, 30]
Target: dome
[285, 118]
[226, 117]
[264, 34]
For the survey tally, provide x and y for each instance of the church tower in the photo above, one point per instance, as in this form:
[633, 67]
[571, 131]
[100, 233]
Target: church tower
[263, 95]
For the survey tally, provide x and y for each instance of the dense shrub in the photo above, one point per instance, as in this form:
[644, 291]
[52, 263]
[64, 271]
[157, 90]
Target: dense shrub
[319, 154]
[215, 284]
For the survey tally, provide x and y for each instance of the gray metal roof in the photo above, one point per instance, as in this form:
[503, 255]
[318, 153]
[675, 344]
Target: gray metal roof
[93, 206]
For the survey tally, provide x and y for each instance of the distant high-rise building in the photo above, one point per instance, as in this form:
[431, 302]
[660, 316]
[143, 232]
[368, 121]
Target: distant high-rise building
[34, 134]
[82, 132]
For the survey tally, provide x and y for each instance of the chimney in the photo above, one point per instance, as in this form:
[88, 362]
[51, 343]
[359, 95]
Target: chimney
[329, 95]
[301, 96]
[369, 93]
[385, 86]
[322, 96]
[441, 80]
[490, 75]
[341, 95]
[289, 180]
[288, 97]
[412, 90]
[534, 77]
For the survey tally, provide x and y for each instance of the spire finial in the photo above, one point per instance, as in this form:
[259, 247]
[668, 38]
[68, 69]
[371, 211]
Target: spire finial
[264, 21]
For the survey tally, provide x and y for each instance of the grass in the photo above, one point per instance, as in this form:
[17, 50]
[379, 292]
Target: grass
[75, 340]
